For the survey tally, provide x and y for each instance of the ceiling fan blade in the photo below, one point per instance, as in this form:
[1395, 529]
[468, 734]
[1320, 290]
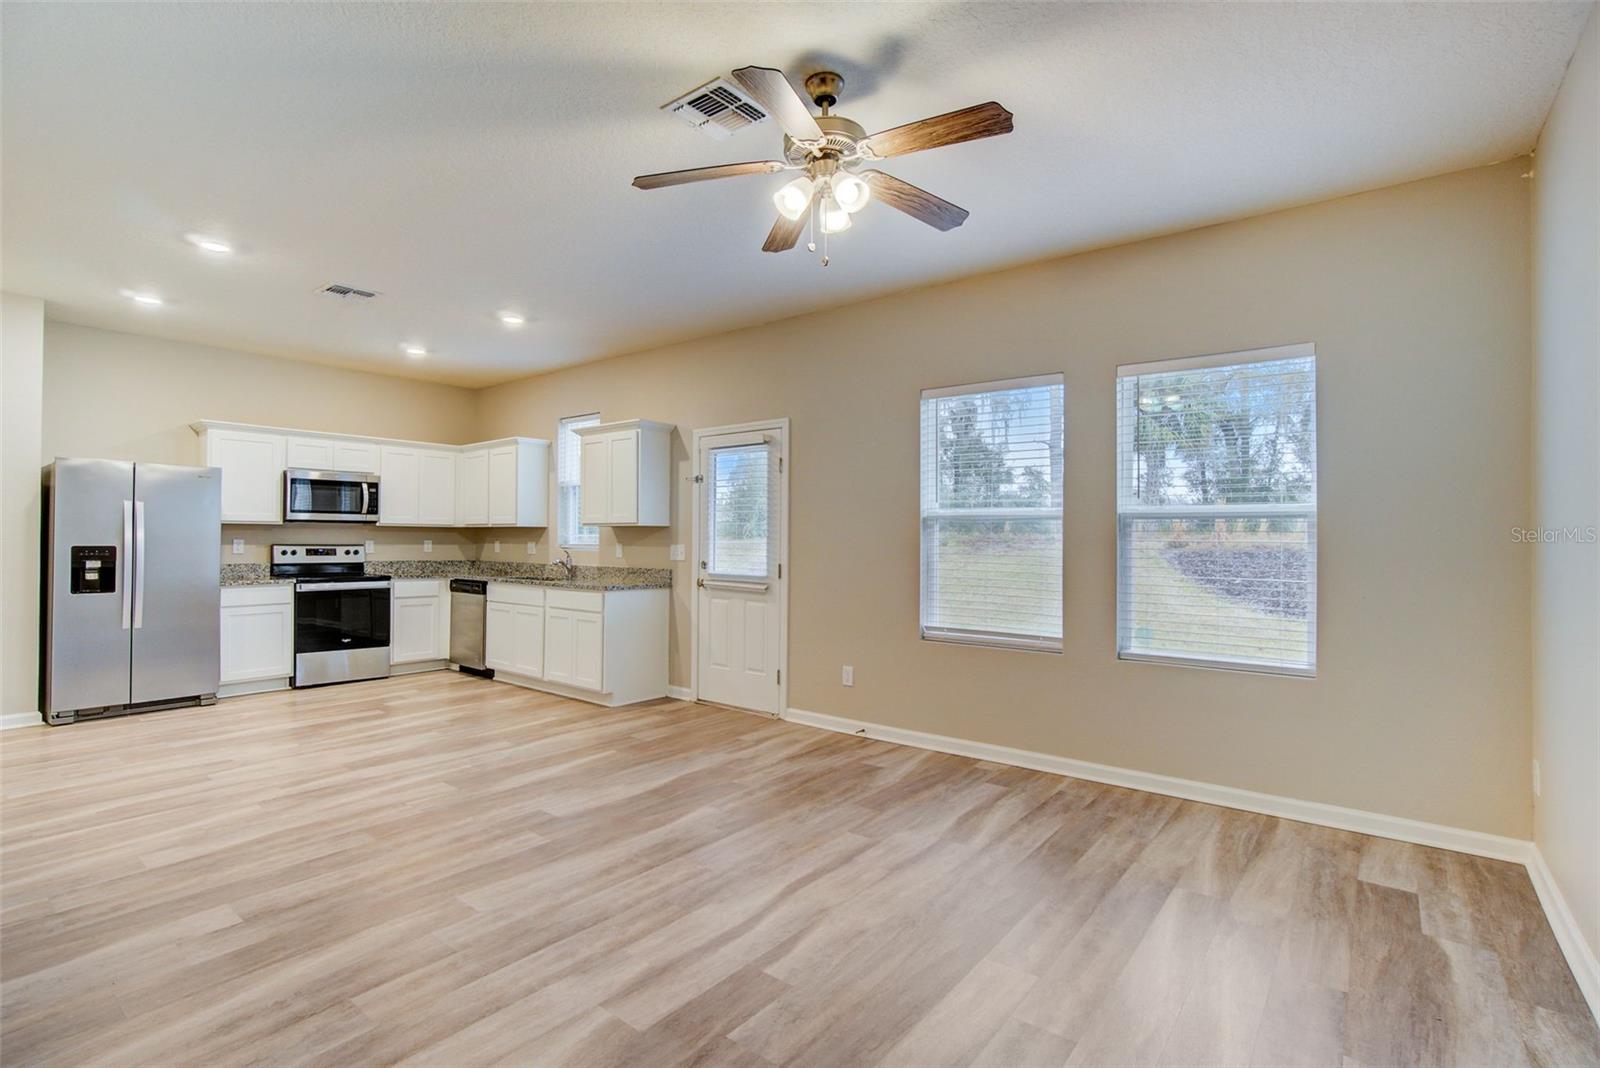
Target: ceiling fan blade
[703, 174]
[917, 203]
[951, 128]
[785, 232]
[774, 93]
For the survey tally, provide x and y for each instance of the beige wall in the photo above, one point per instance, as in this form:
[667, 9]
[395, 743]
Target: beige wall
[1566, 476]
[126, 396]
[1417, 298]
[21, 378]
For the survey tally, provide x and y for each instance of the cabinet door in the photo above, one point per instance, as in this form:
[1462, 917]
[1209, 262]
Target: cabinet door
[436, 488]
[257, 642]
[397, 486]
[314, 454]
[594, 480]
[252, 474]
[414, 629]
[503, 485]
[622, 502]
[560, 645]
[529, 622]
[472, 477]
[360, 456]
[500, 636]
[588, 649]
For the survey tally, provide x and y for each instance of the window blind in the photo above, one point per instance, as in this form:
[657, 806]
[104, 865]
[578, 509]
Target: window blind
[991, 513]
[741, 510]
[569, 489]
[1217, 511]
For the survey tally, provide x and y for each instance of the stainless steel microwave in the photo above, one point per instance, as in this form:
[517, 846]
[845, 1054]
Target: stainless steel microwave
[329, 496]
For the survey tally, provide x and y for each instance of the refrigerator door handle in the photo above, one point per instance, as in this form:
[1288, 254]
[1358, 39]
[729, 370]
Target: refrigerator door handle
[138, 564]
[127, 553]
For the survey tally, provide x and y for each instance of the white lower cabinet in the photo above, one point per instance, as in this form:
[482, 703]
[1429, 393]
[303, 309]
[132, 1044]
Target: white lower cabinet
[513, 633]
[612, 645]
[257, 635]
[419, 621]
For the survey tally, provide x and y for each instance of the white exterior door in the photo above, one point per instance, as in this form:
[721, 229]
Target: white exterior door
[739, 594]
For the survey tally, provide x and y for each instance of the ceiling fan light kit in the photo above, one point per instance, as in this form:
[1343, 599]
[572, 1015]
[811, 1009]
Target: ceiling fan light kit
[830, 150]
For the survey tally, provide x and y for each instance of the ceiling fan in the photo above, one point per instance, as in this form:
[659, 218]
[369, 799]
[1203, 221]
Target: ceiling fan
[831, 150]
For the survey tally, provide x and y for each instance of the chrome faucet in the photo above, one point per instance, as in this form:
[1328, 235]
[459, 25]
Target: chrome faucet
[565, 564]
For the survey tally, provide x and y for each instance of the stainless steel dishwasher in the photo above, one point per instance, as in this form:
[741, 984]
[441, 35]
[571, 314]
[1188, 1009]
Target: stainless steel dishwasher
[469, 600]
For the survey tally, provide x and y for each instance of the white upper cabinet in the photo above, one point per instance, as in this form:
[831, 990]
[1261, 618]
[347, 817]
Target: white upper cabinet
[398, 486]
[504, 484]
[363, 457]
[472, 487]
[501, 483]
[314, 454]
[252, 466]
[626, 474]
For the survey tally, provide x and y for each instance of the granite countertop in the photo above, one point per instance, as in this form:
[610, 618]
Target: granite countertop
[597, 579]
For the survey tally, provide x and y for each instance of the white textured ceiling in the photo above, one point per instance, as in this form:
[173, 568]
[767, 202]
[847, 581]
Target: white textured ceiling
[464, 158]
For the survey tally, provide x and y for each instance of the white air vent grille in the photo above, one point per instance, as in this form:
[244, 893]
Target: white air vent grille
[348, 291]
[717, 108]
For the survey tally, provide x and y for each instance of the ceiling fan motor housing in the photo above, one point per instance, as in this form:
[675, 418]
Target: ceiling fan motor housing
[839, 138]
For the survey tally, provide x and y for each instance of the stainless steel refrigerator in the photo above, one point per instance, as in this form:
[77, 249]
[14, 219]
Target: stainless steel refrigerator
[132, 596]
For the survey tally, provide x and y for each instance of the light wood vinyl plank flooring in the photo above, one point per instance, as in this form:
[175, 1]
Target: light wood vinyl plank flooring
[438, 870]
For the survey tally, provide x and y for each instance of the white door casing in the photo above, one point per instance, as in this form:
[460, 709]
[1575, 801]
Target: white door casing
[740, 534]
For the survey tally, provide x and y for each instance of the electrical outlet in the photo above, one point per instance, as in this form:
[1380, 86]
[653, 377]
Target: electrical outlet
[848, 675]
[533, 547]
[1536, 783]
[677, 552]
[238, 546]
[427, 545]
[497, 546]
[372, 546]
[619, 550]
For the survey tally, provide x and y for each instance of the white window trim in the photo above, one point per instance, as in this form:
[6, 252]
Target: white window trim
[1223, 511]
[561, 525]
[968, 636]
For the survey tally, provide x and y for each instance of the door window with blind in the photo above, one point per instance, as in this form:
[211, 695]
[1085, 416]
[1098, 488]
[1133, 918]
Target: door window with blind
[1217, 511]
[739, 505]
[991, 513]
[569, 492]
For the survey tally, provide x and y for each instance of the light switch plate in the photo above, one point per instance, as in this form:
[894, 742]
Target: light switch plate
[848, 675]
[619, 550]
[372, 546]
[497, 546]
[533, 547]
[238, 546]
[677, 553]
[427, 545]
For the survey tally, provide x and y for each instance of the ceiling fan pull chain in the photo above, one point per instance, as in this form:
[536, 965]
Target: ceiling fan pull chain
[811, 227]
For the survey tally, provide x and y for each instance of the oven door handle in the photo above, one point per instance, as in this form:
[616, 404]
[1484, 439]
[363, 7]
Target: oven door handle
[312, 587]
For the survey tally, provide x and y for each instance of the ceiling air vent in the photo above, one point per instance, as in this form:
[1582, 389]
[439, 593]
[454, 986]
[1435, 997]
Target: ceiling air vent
[717, 108]
[348, 291]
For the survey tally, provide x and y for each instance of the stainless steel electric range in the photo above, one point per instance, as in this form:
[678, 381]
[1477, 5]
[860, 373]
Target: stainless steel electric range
[341, 613]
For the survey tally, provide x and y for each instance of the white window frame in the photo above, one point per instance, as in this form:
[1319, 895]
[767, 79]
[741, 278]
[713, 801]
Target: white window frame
[569, 524]
[1125, 478]
[987, 639]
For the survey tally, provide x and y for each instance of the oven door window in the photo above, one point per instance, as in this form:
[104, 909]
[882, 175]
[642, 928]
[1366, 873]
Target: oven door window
[333, 620]
[321, 496]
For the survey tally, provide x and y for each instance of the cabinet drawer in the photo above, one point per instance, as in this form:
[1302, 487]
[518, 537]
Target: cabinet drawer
[515, 593]
[581, 600]
[241, 596]
[417, 587]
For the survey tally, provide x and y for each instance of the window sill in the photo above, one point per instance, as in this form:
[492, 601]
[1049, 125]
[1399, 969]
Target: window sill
[1249, 667]
[994, 641]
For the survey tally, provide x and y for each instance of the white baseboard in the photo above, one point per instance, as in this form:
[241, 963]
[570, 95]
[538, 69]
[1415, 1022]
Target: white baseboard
[20, 719]
[680, 693]
[1580, 955]
[1289, 808]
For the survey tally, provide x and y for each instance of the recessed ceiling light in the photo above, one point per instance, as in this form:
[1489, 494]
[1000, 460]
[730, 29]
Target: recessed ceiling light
[416, 352]
[511, 318]
[209, 244]
[149, 300]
